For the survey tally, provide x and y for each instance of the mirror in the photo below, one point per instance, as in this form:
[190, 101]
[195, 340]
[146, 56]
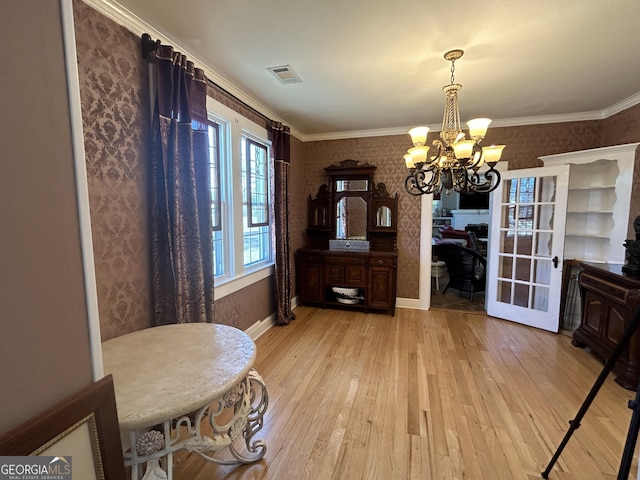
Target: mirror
[320, 217]
[352, 185]
[383, 216]
[351, 218]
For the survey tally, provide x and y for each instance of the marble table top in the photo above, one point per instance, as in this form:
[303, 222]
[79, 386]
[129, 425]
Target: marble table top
[165, 372]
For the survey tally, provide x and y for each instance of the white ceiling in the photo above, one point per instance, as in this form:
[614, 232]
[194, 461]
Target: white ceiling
[378, 66]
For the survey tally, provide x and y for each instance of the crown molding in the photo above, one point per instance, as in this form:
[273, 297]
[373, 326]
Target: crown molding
[629, 102]
[504, 122]
[123, 17]
[116, 12]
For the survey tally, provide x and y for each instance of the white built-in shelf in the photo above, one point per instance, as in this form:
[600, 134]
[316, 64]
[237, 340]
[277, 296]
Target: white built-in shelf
[599, 195]
[589, 212]
[594, 236]
[588, 187]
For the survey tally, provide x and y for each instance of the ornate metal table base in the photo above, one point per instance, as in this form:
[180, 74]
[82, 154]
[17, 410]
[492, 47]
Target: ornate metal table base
[209, 431]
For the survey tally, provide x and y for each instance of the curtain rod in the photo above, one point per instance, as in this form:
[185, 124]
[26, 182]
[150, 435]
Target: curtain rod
[149, 46]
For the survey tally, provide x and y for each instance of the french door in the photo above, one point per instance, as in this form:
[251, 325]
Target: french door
[526, 245]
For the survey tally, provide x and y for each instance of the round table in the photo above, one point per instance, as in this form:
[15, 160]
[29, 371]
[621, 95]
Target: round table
[171, 378]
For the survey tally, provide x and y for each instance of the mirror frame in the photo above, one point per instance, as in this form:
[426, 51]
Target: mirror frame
[382, 198]
[350, 170]
[382, 238]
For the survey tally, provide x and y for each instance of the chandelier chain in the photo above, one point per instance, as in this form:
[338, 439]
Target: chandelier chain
[453, 69]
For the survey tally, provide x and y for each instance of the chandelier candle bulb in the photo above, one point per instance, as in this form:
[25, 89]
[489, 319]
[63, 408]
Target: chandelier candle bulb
[478, 128]
[408, 160]
[492, 154]
[418, 155]
[463, 149]
[419, 135]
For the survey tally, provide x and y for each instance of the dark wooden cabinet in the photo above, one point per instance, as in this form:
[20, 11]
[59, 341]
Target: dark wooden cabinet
[351, 242]
[382, 282]
[310, 277]
[610, 299]
[372, 273]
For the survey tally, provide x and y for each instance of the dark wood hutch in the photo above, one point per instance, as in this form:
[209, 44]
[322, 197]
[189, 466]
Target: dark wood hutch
[350, 258]
[610, 299]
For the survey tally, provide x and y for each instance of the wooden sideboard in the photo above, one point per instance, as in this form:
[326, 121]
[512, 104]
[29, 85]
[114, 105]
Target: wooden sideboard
[372, 273]
[610, 299]
[350, 257]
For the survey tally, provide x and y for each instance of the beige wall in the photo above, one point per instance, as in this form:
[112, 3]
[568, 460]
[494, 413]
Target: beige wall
[114, 96]
[44, 353]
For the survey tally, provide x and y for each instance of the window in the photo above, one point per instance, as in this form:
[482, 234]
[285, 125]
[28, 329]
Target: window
[255, 201]
[241, 173]
[216, 198]
[522, 191]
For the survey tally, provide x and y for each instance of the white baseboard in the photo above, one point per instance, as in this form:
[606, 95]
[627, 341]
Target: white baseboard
[413, 303]
[261, 326]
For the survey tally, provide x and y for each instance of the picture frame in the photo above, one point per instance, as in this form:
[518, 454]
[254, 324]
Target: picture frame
[83, 427]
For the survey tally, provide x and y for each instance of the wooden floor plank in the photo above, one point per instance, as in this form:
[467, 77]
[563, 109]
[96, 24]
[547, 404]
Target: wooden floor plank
[426, 395]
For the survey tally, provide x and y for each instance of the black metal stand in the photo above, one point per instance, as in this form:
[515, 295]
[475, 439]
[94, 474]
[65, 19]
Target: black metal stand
[632, 434]
[632, 437]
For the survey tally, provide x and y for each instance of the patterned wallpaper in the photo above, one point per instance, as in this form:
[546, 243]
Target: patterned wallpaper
[250, 305]
[524, 145]
[115, 110]
[386, 154]
[114, 94]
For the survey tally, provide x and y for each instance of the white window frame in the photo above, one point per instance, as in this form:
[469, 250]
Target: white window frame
[233, 127]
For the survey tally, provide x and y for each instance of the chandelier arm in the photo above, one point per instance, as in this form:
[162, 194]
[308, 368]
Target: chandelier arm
[433, 185]
[493, 175]
[414, 183]
[489, 184]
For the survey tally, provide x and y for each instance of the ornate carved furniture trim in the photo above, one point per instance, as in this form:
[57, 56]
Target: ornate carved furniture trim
[186, 386]
[351, 242]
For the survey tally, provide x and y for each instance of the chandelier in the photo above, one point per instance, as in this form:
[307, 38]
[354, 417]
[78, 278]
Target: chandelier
[457, 163]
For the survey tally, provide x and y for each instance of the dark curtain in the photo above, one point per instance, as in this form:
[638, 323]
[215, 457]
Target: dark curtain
[281, 139]
[180, 195]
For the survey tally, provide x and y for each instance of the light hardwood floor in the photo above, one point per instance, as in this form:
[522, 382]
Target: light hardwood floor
[426, 395]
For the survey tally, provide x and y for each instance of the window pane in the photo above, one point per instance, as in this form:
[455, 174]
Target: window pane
[214, 159]
[218, 254]
[216, 199]
[255, 208]
[257, 183]
[257, 244]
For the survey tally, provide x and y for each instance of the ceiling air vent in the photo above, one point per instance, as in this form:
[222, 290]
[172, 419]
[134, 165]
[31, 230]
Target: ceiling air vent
[285, 74]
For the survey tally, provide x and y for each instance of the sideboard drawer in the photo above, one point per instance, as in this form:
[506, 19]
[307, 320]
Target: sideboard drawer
[382, 261]
[605, 288]
[347, 260]
[307, 257]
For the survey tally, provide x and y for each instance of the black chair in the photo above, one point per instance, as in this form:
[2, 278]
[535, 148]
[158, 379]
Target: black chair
[467, 268]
